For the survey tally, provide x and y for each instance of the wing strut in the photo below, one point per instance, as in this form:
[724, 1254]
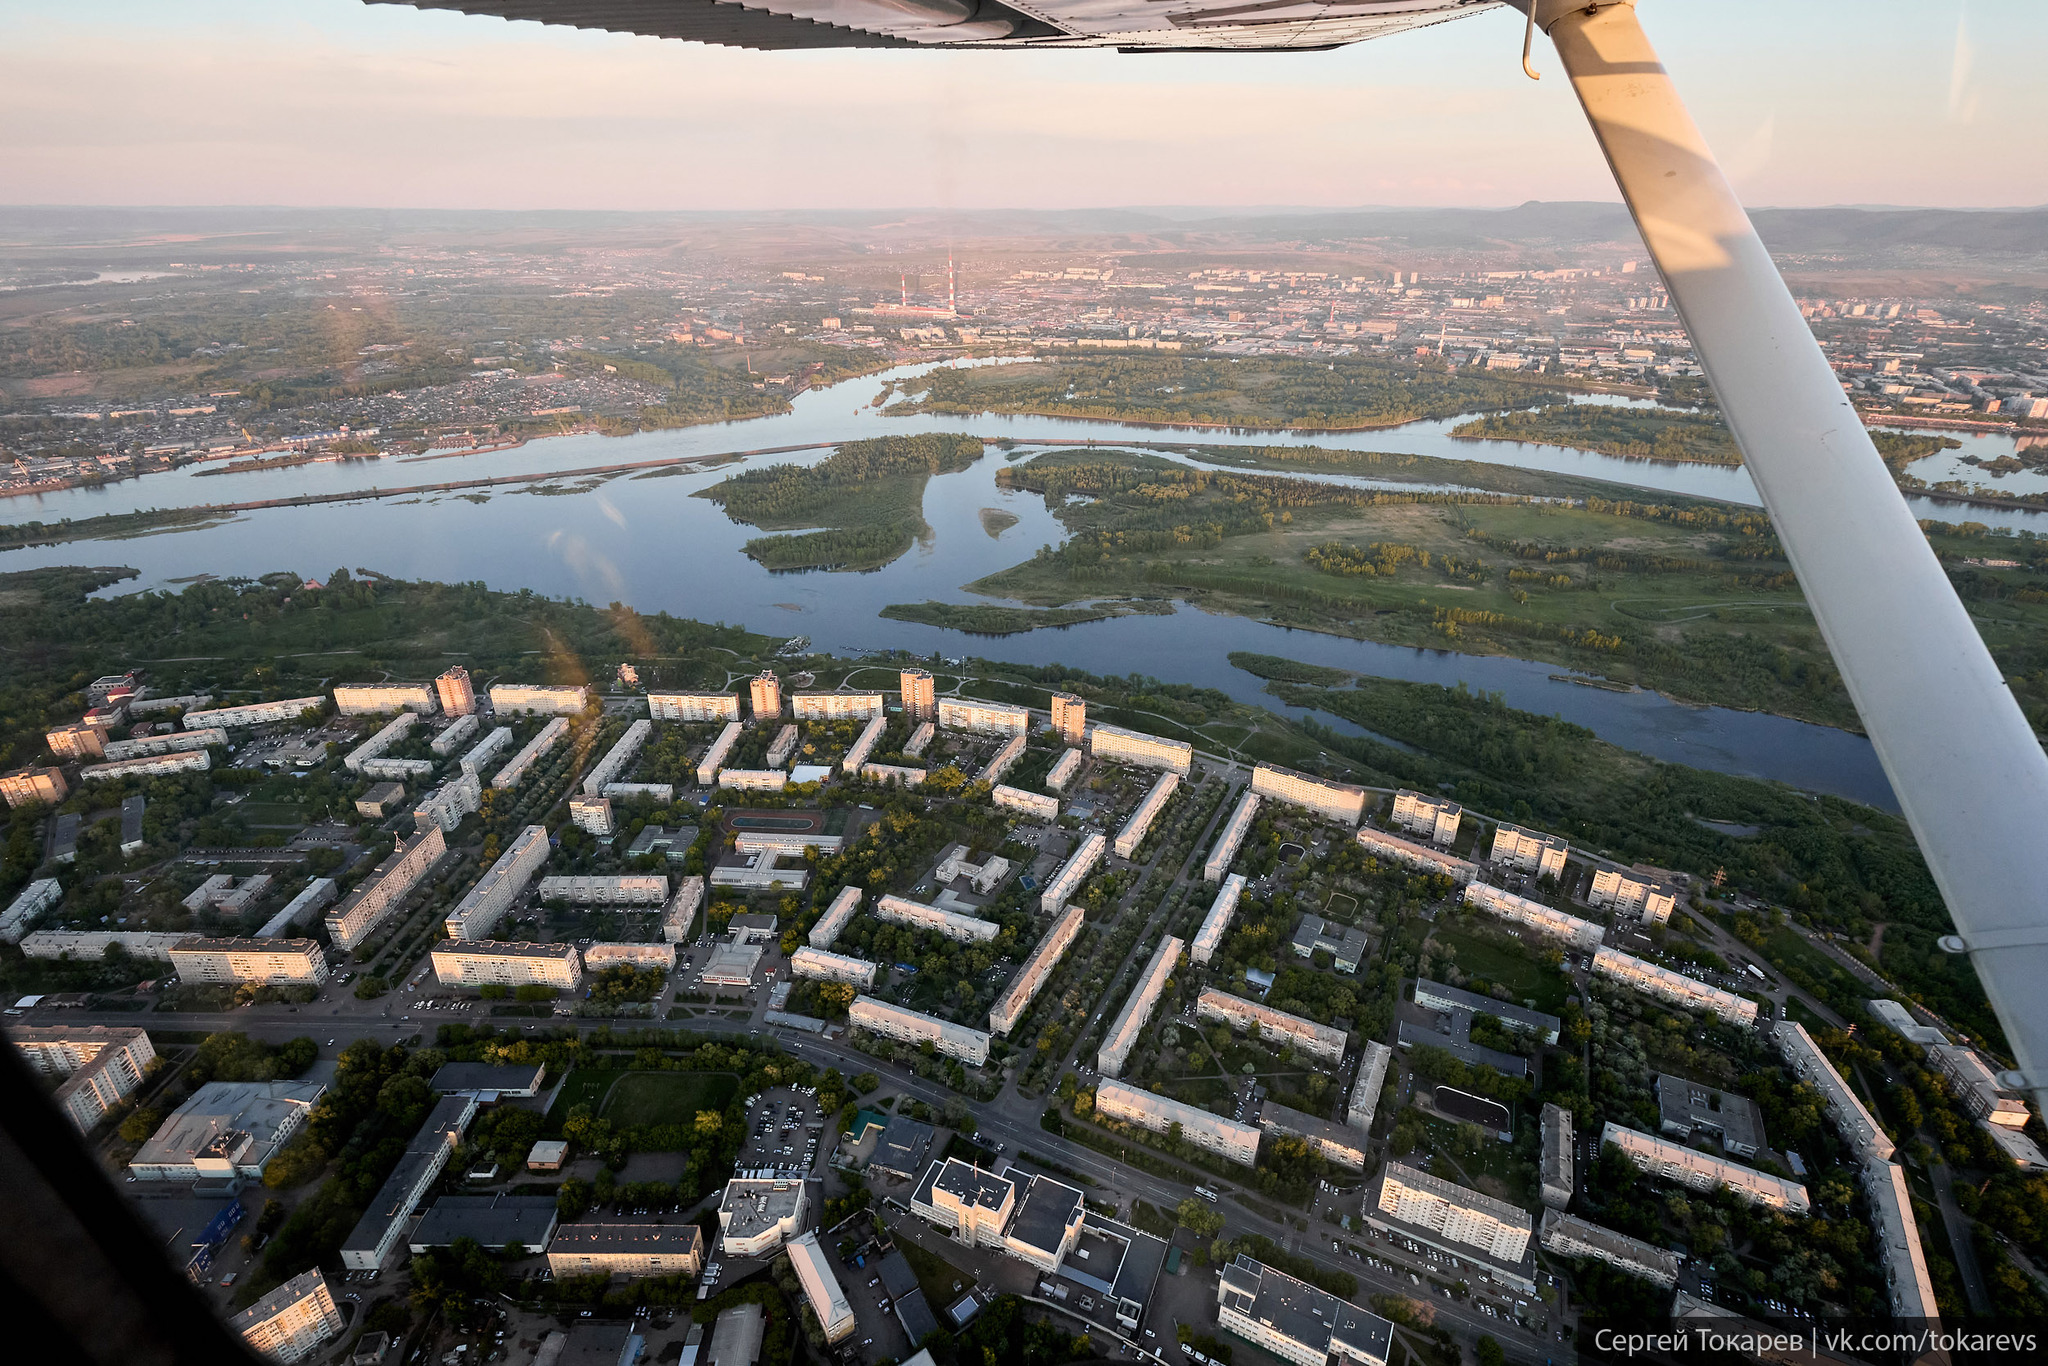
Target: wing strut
[1969, 774]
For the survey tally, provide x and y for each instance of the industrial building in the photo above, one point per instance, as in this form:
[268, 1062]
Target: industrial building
[1024, 987]
[1008, 755]
[914, 1027]
[715, 756]
[1067, 881]
[226, 1129]
[920, 696]
[1568, 1236]
[515, 770]
[1341, 802]
[757, 1216]
[1685, 1108]
[1583, 935]
[1365, 1092]
[1120, 746]
[681, 912]
[764, 694]
[292, 1322]
[253, 714]
[1346, 944]
[479, 912]
[1555, 1169]
[456, 694]
[821, 1288]
[1063, 770]
[1674, 987]
[1340, 1143]
[1700, 1171]
[1295, 1321]
[1210, 937]
[983, 718]
[1454, 1219]
[1852, 1120]
[493, 962]
[693, 706]
[148, 766]
[572, 700]
[836, 706]
[495, 1222]
[1529, 851]
[369, 699]
[1130, 1021]
[659, 955]
[965, 928]
[626, 1245]
[1275, 1026]
[1537, 1025]
[1627, 894]
[626, 889]
[1436, 819]
[1225, 1137]
[26, 786]
[1149, 806]
[377, 1233]
[265, 962]
[825, 966]
[617, 758]
[99, 1065]
[385, 889]
[1031, 804]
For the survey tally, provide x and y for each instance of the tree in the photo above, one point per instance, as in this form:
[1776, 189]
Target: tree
[572, 1200]
[1198, 1218]
[139, 1126]
[1488, 1352]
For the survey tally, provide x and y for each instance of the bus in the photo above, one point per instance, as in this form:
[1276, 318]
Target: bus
[1207, 1194]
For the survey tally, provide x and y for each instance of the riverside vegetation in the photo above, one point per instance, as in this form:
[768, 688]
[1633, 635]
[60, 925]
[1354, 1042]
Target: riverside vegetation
[1664, 434]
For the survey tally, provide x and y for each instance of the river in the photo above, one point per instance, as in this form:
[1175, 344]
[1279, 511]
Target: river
[643, 539]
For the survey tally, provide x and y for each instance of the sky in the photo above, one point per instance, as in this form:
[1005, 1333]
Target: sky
[334, 102]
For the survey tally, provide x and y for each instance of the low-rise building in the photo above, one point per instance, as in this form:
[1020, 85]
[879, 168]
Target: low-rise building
[1703, 1172]
[1066, 883]
[757, 1216]
[1434, 818]
[572, 700]
[1365, 1092]
[814, 1271]
[1555, 1173]
[920, 740]
[1901, 1021]
[1295, 1321]
[263, 962]
[753, 779]
[1130, 1022]
[1346, 944]
[1907, 1283]
[965, 928]
[485, 751]
[894, 775]
[81, 945]
[376, 1235]
[99, 1066]
[1569, 1236]
[863, 746]
[1630, 894]
[1225, 1137]
[454, 736]
[493, 962]
[490, 1082]
[783, 746]
[1224, 852]
[1031, 804]
[1274, 1026]
[626, 1245]
[1340, 1143]
[622, 889]
[485, 904]
[380, 800]
[314, 895]
[1583, 935]
[1685, 1108]
[914, 1027]
[982, 876]
[1149, 806]
[1024, 987]
[1047, 1227]
[385, 889]
[693, 706]
[1340, 802]
[1537, 1025]
[1120, 746]
[226, 1129]
[836, 918]
[292, 1322]
[1529, 851]
[368, 757]
[985, 718]
[825, 966]
[447, 805]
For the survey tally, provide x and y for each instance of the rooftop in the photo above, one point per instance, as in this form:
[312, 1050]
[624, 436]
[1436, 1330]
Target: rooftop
[483, 1076]
[1303, 1313]
[1545, 1026]
[968, 1184]
[256, 1109]
[278, 1300]
[492, 1220]
[736, 1337]
[1045, 1212]
[756, 1206]
[1688, 1105]
[646, 1233]
[903, 1146]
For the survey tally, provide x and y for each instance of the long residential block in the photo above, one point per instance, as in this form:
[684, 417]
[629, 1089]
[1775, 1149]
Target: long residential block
[1673, 987]
[1852, 1119]
[1976, 1085]
[681, 912]
[1017, 997]
[315, 894]
[1907, 1283]
[479, 911]
[842, 910]
[507, 963]
[81, 945]
[1224, 853]
[385, 889]
[784, 746]
[170, 742]
[693, 706]
[1529, 851]
[617, 757]
[1569, 1236]
[629, 889]
[148, 766]
[1295, 1321]
[265, 962]
[1149, 806]
[836, 706]
[1131, 1020]
[1025, 803]
[486, 750]
[965, 928]
[550, 735]
[1421, 857]
[1121, 746]
[1455, 1214]
[369, 699]
[754, 779]
[1554, 1170]
[659, 955]
[1004, 759]
[1216, 923]
[821, 1287]
[1365, 1092]
[1339, 1143]
[1225, 1137]
[455, 736]
[985, 718]
[825, 966]
[626, 1245]
[915, 1027]
[863, 745]
[1704, 1172]
[28, 907]
[378, 1232]
[543, 701]
[1341, 802]
[1583, 935]
[1306, 1036]
[1067, 881]
[253, 714]
[715, 757]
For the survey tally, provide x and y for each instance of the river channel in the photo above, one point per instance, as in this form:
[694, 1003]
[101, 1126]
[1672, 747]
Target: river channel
[641, 538]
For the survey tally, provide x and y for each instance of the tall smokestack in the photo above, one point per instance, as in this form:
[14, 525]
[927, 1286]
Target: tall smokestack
[952, 300]
[903, 282]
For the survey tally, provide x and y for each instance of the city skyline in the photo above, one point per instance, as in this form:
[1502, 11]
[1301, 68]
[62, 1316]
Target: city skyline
[333, 102]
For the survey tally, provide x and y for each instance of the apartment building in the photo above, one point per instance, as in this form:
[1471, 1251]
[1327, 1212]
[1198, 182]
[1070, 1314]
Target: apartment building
[920, 696]
[447, 806]
[1017, 997]
[292, 1322]
[1062, 771]
[965, 928]
[1852, 1120]
[836, 706]
[1004, 759]
[1341, 802]
[1130, 1022]
[1365, 1092]
[79, 740]
[863, 746]
[1069, 717]
[836, 918]
[1067, 881]
[693, 706]
[1977, 1086]
[1448, 1216]
[715, 756]
[1908, 1286]
[515, 770]
[26, 786]
[1582, 935]
[754, 779]
[28, 906]
[486, 749]
[170, 742]
[148, 766]
[613, 765]
[821, 1287]
[369, 699]
[659, 955]
[1569, 1236]
[1456, 1000]
[783, 746]
[507, 698]
[1225, 1137]
[1149, 806]
[1529, 851]
[1434, 818]
[592, 814]
[1703, 1172]
[479, 912]
[825, 966]
[764, 695]
[1216, 923]
[1304, 1036]
[1295, 1321]
[1632, 894]
[1555, 1168]
[386, 888]
[506, 963]
[681, 912]
[1673, 987]
[1025, 803]
[263, 962]
[984, 718]
[624, 889]
[914, 1027]
[1421, 857]
[1339, 1143]
[1120, 746]
[100, 1066]
[253, 714]
[455, 693]
[377, 1234]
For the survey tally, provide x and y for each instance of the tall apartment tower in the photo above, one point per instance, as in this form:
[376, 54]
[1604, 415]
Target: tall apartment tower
[458, 698]
[920, 696]
[1069, 717]
[766, 692]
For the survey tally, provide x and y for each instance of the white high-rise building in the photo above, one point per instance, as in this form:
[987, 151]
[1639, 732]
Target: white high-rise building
[836, 706]
[100, 1066]
[1461, 1217]
[1630, 894]
[384, 890]
[500, 962]
[368, 699]
[1583, 935]
[1433, 818]
[264, 962]
[1342, 802]
[292, 1322]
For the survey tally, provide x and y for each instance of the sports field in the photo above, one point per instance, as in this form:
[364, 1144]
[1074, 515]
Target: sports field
[640, 1098]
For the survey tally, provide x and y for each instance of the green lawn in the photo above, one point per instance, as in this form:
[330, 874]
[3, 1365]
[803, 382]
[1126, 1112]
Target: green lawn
[585, 1086]
[667, 1097]
[942, 1282]
[1525, 977]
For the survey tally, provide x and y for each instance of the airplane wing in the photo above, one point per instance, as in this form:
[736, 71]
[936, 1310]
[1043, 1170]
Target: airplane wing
[1130, 25]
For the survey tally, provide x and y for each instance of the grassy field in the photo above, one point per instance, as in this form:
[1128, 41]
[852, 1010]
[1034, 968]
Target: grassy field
[942, 1282]
[667, 1097]
[585, 1086]
[1526, 978]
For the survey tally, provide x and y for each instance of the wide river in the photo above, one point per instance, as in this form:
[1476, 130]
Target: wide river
[644, 540]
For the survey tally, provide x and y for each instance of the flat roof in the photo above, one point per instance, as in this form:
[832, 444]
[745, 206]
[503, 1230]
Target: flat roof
[758, 1205]
[1280, 1119]
[629, 1233]
[1299, 1311]
[278, 1300]
[257, 1108]
[1461, 999]
[483, 1076]
[1043, 1214]
[970, 1185]
[916, 1317]
[1429, 1032]
[903, 1146]
[736, 1337]
[1696, 1105]
[492, 1220]
[898, 1278]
